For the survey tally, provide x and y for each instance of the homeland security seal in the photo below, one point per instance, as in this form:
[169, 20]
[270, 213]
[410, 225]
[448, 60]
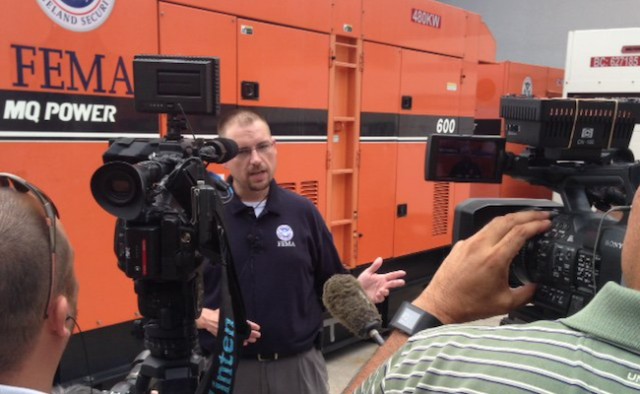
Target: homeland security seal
[78, 15]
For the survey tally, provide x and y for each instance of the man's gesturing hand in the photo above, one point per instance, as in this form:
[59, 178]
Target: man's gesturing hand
[377, 286]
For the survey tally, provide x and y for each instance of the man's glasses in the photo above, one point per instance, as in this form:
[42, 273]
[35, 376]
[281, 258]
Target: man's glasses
[21, 185]
[262, 148]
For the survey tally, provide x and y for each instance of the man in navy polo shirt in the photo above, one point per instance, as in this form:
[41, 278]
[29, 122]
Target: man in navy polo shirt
[283, 255]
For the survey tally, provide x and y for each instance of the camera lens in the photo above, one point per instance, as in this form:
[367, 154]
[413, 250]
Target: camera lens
[119, 188]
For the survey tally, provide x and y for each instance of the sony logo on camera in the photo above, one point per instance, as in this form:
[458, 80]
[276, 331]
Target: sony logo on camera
[613, 244]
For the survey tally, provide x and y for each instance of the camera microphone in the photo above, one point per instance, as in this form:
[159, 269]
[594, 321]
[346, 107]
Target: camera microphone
[219, 150]
[345, 299]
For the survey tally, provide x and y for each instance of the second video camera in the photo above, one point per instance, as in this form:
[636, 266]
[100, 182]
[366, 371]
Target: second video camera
[577, 148]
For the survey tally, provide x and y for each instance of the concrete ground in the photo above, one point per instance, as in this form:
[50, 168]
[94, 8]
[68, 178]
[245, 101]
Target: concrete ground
[344, 363]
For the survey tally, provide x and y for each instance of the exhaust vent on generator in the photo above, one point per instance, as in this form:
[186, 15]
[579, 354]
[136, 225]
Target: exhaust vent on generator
[440, 208]
[308, 189]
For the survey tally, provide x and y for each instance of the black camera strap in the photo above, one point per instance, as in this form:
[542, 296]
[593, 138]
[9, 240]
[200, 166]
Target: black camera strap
[233, 328]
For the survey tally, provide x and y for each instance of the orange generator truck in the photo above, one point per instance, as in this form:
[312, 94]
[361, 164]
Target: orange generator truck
[351, 89]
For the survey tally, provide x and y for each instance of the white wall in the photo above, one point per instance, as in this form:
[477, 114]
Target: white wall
[535, 31]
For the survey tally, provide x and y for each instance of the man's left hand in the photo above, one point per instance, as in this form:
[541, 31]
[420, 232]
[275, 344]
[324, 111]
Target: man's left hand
[377, 286]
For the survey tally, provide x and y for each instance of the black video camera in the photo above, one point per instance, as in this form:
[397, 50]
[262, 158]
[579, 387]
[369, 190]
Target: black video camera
[577, 148]
[166, 203]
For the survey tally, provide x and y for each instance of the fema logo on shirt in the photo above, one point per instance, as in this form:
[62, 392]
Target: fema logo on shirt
[284, 233]
[78, 15]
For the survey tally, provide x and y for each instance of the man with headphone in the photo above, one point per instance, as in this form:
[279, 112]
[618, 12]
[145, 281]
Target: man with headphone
[38, 288]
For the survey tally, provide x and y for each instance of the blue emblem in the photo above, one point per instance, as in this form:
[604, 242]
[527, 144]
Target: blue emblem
[284, 232]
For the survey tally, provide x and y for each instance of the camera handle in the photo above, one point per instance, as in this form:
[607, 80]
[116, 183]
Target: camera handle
[574, 189]
[571, 180]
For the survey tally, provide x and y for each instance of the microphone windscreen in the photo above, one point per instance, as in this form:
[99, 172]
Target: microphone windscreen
[345, 299]
[225, 150]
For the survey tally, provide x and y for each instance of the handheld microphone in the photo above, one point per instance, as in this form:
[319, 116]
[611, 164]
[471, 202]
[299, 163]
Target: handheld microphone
[345, 299]
[219, 150]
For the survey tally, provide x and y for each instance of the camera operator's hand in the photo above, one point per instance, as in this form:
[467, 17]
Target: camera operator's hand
[209, 319]
[473, 281]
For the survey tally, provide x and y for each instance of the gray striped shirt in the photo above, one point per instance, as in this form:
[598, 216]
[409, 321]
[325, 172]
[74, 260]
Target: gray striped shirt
[596, 350]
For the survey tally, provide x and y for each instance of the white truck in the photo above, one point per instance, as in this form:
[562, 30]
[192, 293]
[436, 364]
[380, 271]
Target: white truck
[604, 63]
